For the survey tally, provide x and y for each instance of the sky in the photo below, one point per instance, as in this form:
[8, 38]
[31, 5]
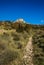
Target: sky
[32, 11]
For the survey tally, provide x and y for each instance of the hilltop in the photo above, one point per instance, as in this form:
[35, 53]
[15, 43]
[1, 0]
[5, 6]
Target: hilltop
[16, 43]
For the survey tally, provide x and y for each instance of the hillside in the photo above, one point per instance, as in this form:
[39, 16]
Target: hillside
[14, 38]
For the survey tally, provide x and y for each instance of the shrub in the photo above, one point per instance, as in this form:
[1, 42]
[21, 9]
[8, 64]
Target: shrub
[38, 48]
[8, 56]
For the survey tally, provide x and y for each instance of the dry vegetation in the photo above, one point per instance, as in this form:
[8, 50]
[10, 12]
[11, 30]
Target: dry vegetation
[38, 47]
[14, 38]
[12, 43]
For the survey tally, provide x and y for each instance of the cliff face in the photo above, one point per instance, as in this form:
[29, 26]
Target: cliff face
[14, 38]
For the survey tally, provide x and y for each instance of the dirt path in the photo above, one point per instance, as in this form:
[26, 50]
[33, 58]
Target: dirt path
[28, 54]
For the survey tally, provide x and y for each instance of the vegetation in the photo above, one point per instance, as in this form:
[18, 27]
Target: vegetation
[38, 47]
[13, 39]
[12, 43]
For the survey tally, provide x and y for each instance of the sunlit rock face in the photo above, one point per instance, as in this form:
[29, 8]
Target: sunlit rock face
[20, 20]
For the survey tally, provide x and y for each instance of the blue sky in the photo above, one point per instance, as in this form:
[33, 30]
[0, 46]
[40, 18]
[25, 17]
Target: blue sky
[31, 11]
